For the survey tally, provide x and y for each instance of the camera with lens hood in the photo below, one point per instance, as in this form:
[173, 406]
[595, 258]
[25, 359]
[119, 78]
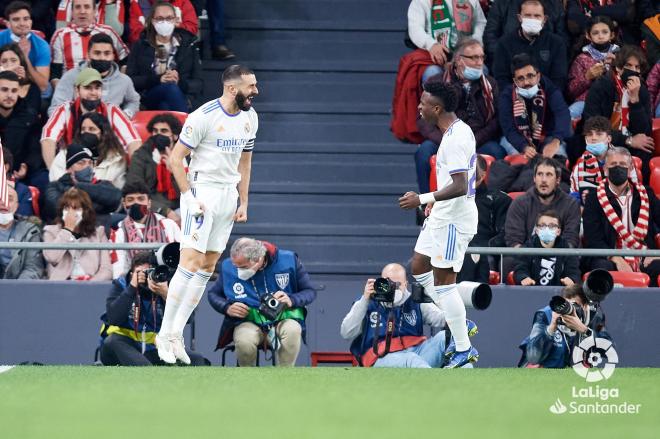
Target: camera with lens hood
[270, 307]
[384, 290]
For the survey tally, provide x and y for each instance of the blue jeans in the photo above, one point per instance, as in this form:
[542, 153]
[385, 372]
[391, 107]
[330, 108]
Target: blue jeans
[167, 96]
[657, 111]
[492, 148]
[511, 150]
[216, 13]
[423, 154]
[576, 109]
[425, 355]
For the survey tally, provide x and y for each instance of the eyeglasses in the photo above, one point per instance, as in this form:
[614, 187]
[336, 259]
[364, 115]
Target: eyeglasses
[549, 226]
[528, 77]
[475, 57]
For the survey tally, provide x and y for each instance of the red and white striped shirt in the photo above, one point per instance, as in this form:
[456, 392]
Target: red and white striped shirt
[61, 124]
[69, 47]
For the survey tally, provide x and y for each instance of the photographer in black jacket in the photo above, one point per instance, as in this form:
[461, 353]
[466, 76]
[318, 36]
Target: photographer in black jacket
[133, 317]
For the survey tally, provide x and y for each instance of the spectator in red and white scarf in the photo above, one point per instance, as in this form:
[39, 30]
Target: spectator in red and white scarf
[141, 224]
[622, 97]
[621, 214]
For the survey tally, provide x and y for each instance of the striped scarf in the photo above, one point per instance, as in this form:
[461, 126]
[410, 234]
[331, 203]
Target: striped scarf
[619, 119]
[153, 231]
[530, 127]
[634, 240]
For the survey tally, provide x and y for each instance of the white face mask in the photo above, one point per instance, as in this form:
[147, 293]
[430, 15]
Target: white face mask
[245, 273]
[77, 212]
[6, 218]
[532, 26]
[163, 28]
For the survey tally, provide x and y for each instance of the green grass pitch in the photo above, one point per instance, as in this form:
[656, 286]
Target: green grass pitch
[176, 402]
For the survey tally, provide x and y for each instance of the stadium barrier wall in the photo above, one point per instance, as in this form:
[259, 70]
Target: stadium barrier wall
[58, 322]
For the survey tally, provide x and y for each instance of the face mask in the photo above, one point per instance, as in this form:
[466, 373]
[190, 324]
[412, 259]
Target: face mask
[597, 149]
[163, 28]
[160, 142]
[84, 175]
[90, 104]
[100, 65]
[471, 73]
[528, 93]
[245, 273]
[398, 295]
[617, 175]
[77, 212]
[601, 47]
[627, 74]
[137, 211]
[546, 235]
[90, 141]
[6, 218]
[532, 26]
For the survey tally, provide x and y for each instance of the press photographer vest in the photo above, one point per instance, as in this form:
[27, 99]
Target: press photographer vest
[558, 356]
[408, 330]
[143, 321]
[279, 275]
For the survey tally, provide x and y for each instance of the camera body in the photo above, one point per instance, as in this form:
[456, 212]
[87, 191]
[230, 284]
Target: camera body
[384, 290]
[163, 264]
[270, 307]
[158, 274]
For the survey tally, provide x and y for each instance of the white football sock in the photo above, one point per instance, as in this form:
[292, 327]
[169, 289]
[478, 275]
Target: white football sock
[426, 280]
[190, 299]
[448, 299]
[175, 291]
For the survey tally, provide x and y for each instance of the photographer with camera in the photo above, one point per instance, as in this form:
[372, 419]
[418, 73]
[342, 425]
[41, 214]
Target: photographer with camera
[566, 321]
[398, 341]
[134, 314]
[262, 290]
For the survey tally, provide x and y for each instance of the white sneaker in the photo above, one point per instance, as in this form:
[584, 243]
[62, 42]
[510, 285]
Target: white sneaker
[179, 348]
[165, 349]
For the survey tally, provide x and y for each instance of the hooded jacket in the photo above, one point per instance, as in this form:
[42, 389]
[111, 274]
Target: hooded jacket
[25, 263]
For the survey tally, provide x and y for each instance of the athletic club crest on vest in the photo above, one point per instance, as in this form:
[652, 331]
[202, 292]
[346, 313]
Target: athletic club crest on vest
[410, 317]
[282, 280]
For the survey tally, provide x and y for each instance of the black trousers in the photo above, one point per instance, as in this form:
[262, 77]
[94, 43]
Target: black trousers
[653, 269]
[118, 350]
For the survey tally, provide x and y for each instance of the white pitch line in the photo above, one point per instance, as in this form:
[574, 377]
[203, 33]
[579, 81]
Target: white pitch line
[6, 368]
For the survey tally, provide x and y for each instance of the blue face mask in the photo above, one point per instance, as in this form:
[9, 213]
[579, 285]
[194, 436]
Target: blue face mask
[472, 74]
[84, 175]
[528, 93]
[546, 235]
[597, 149]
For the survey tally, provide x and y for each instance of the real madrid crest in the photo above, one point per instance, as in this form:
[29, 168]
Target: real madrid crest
[247, 127]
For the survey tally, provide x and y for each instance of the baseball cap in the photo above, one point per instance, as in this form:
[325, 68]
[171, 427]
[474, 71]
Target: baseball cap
[87, 76]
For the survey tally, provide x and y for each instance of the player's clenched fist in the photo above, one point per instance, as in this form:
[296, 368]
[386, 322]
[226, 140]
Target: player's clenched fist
[241, 214]
[410, 200]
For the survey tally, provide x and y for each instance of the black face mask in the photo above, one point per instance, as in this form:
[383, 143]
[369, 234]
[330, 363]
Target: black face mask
[137, 211]
[100, 65]
[627, 74]
[90, 104]
[90, 141]
[160, 142]
[601, 47]
[617, 175]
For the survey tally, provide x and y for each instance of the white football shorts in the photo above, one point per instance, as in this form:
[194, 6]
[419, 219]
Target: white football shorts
[445, 245]
[209, 232]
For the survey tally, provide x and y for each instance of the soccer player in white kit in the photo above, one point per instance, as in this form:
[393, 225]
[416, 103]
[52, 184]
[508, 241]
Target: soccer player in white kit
[453, 218]
[219, 137]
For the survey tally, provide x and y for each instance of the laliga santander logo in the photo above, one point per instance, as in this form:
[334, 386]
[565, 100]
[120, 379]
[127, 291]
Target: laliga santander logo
[594, 359]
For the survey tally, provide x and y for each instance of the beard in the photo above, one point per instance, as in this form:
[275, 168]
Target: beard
[545, 196]
[242, 102]
[7, 107]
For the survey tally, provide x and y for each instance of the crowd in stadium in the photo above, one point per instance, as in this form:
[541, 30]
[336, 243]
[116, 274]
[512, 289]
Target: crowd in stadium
[562, 99]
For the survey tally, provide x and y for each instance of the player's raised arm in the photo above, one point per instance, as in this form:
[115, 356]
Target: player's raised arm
[244, 168]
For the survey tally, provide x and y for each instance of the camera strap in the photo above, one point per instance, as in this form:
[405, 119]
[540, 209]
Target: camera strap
[389, 330]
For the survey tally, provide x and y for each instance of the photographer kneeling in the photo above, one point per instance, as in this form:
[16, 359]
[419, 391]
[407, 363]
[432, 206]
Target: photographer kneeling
[134, 314]
[399, 340]
[562, 325]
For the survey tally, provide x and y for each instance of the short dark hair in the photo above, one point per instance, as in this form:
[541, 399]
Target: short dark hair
[134, 187]
[629, 51]
[597, 123]
[601, 19]
[551, 213]
[100, 38]
[9, 76]
[521, 61]
[235, 72]
[534, 2]
[168, 118]
[141, 258]
[445, 93]
[482, 165]
[574, 291]
[16, 6]
[550, 162]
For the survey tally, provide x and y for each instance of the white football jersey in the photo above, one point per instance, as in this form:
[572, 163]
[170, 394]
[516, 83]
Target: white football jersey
[217, 140]
[457, 153]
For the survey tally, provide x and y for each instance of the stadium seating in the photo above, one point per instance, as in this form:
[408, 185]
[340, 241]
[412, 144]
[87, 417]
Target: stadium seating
[34, 191]
[516, 159]
[514, 195]
[630, 280]
[142, 118]
[654, 181]
[656, 135]
[654, 163]
[510, 279]
[489, 161]
[332, 358]
[494, 277]
[638, 167]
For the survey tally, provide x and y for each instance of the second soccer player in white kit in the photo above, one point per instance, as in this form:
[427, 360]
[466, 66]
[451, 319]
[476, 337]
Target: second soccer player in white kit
[453, 218]
[219, 136]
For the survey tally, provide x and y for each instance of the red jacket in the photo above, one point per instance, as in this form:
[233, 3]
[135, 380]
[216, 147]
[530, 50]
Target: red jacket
[407, 92]
[137, 19]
